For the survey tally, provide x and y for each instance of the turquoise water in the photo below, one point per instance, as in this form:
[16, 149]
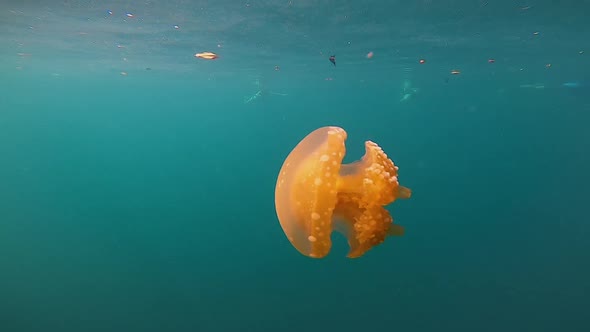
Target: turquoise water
[137, 185]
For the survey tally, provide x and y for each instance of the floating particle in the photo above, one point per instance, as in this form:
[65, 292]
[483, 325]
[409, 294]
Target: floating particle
[110, 12]
[491, 60]
[130, 15]
[548, 65]
[536, 33]
[422, 61]
[370, 55]
[581, 52]
[206, 55]
[277, 68]
[455, 72]
[176, 27]
[123, 73]
[333, 59]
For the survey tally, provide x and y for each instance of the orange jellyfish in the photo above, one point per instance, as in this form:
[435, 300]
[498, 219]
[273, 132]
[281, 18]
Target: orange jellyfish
[316, 194]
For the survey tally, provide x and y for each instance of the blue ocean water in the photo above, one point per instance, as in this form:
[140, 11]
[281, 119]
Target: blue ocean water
[137, 181]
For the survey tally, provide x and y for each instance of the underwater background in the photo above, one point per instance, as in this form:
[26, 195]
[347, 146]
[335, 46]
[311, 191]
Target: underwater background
[137, 180]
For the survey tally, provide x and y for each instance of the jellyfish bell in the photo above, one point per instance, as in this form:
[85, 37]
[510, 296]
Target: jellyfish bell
[316, 194]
